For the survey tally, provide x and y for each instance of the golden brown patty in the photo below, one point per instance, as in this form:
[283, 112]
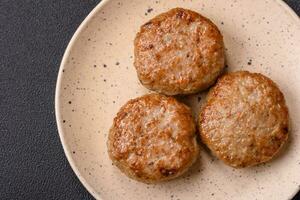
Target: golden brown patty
[245, 120]
[153, 138]
[178, 52]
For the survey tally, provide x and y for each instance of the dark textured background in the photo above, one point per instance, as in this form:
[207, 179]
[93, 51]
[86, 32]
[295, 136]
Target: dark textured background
[33, 38]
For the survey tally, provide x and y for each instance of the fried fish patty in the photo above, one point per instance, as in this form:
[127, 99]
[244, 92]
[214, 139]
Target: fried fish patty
[178, 52]
[245, 119]
[153, 139]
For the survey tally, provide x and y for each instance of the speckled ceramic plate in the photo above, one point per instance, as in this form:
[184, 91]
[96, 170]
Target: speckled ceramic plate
[97, 77]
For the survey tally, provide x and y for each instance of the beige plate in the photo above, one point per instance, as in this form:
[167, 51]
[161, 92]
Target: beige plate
[97, 76]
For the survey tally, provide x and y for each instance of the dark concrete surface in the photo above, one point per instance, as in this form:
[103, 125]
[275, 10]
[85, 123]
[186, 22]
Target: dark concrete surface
[33, 38]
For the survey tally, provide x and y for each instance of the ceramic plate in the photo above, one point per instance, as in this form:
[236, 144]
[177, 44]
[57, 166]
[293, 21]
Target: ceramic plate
[97, 76]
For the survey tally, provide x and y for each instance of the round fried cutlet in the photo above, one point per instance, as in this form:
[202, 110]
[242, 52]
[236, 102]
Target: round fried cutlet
[245, 119]
[178, 52]
[153, 138]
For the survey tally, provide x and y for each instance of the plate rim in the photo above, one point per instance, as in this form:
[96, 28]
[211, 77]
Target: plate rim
[66, 54]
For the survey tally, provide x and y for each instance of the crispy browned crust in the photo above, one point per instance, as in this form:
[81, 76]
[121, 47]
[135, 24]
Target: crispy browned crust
[153, 138]
[245, 119]
[178, 52]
